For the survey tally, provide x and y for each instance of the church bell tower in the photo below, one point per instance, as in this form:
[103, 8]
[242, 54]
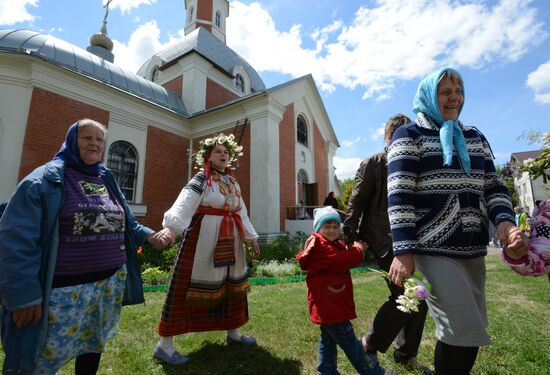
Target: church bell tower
[210, 14]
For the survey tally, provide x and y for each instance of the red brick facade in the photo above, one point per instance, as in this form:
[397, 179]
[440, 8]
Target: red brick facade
[216, 94]
[320, 164]
[175, 85]
[50, 115]
[165, 173]
[287, 162]
[204, 10]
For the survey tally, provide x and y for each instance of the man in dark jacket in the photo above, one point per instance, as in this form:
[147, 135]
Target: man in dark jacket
[367, 220]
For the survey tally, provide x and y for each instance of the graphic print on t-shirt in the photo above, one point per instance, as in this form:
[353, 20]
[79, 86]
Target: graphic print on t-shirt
[100, 215]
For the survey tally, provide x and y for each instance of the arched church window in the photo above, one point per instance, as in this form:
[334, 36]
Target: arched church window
[123, 162]
[155, 75]
[218, 18]
[239, 82]
[301, 130]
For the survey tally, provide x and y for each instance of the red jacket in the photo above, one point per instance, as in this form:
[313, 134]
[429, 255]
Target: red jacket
[330, 290]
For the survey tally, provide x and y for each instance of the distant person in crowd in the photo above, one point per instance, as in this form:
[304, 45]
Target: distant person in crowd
[535, 260]
[442, 192]
[521, 219]
[209, 284]
[68, 260]
[367, 220]
[330, 200]
[330, 293]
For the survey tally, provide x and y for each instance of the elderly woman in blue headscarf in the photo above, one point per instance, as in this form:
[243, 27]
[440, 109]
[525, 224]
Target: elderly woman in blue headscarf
[68, 259]
[442, 193]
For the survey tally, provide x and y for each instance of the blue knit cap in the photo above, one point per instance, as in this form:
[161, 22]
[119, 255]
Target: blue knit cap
[322, 215]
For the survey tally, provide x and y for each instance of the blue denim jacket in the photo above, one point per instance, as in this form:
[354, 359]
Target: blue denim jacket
[29, 236]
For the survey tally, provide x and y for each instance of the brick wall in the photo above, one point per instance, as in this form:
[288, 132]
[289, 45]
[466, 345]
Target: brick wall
[204, 10]
[50, 115]
[320, 165]
[175, 85]
[165, 173]
[287, 162]
[216, 94]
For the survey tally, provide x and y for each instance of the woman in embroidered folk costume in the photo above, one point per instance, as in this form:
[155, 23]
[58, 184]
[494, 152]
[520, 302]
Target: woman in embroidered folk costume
[209, 283]
[442, 193]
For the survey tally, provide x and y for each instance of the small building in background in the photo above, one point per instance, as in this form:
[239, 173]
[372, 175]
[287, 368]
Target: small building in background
[528, 190]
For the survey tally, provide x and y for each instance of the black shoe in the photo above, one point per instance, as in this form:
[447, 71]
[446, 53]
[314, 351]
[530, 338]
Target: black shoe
[411, 363]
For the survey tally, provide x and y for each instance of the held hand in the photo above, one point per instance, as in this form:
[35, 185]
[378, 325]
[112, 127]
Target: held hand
[401, 268]
[24, 316]
[161, 239]
[514, 241]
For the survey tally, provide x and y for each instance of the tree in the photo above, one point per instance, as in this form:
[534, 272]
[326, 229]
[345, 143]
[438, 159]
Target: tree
[540, 166]
[505, 173]
[347, 186]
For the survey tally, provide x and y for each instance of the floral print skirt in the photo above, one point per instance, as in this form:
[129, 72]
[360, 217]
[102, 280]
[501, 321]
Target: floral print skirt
[81, 318]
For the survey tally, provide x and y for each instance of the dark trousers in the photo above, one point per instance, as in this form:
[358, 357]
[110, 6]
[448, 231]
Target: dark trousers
[87, 364]
[454, 360]
[391, 323]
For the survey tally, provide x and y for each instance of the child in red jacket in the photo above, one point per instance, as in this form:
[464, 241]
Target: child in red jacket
[330, 293]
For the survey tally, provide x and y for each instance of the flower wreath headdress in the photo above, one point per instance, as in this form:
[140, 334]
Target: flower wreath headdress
[234, 149]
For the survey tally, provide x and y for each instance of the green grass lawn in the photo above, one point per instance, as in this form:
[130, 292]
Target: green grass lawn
[518, 313]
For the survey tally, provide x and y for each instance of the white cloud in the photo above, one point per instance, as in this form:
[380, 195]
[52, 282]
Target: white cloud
[126, 6]
[143, 43]
[346, 167]
[350, 142]
[378, 133]
[539, 82]
[15, 11]
[388, 42]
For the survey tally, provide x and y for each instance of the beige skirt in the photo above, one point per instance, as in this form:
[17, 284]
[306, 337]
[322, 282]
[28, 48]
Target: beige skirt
[457, 302]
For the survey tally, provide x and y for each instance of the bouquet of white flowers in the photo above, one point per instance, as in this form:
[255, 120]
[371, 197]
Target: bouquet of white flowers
[416, 289]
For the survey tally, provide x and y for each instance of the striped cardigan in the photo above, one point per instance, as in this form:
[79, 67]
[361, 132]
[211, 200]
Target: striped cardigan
[440, 210]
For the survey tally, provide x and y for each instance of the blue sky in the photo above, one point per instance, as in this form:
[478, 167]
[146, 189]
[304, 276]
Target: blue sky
[367, 57]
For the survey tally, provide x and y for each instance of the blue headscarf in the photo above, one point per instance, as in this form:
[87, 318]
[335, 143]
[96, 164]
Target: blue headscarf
[450, 132]
[70, 153]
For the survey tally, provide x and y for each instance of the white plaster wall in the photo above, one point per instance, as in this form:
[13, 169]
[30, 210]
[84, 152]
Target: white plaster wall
[264, 169]
[15, 96]
[194, 83]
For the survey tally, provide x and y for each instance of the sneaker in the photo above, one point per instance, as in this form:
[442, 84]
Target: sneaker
[244, 340]
[412, 363]
[176, 359]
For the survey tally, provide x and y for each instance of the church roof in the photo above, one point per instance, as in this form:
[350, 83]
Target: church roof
[66, 55]
[211, 48]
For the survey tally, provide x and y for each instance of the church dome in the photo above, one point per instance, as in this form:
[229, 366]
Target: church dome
[69, 56]
[212, 49]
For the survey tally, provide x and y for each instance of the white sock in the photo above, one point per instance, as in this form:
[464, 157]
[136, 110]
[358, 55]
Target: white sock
[167, 344]
[234, 334]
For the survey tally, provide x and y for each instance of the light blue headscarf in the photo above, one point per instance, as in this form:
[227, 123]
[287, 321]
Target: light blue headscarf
[425, 101]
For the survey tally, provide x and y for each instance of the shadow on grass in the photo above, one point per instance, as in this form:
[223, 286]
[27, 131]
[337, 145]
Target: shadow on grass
[214, 359]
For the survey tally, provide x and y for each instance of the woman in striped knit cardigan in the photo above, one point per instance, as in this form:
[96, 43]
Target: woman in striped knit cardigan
[442, 192]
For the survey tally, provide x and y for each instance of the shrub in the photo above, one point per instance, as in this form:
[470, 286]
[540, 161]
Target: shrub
[162, 259]
[155, 276]
[274, 268]
[283, 248]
